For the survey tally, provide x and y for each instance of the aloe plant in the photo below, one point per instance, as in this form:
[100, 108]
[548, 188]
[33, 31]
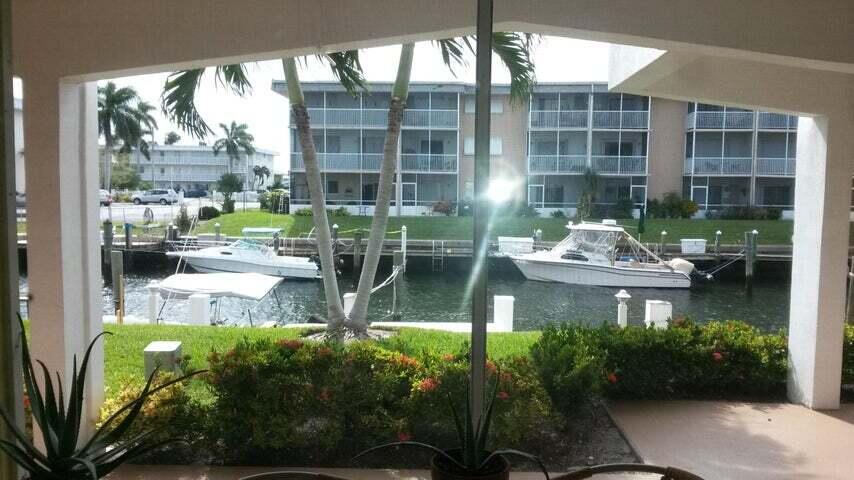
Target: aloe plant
[472, 434]
[60, 421]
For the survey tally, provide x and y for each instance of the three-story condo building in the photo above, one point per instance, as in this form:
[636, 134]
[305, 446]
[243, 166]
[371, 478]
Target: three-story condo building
[639, 147]
[737, 157]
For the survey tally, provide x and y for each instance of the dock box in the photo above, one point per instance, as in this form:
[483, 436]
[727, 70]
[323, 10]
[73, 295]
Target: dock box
[514, 245]
[693, 245]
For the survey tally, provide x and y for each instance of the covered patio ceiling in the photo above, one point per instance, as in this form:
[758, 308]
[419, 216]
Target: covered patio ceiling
[778, 55]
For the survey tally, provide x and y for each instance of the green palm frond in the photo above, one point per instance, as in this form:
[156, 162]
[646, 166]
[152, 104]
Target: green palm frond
[178, 102]
[454, 51]
[514, 50]
[347, 69]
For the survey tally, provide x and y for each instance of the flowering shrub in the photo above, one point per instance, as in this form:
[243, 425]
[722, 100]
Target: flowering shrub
[848, 356]
[313, 403]
[720, 360]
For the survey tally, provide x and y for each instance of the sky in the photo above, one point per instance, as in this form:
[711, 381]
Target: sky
[266, 112]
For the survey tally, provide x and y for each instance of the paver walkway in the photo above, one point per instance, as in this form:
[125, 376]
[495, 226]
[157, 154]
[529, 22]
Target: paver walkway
[741, 441]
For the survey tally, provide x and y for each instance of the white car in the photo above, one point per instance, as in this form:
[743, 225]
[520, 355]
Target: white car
[104, 197]
[163, 197]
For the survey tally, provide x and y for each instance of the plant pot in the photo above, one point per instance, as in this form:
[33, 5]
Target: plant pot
[442, 469]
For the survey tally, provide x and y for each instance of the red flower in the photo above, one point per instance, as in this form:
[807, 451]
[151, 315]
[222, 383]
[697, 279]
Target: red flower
[502, 395]
[428, 385]
[717, 356]
[324, 352]
[612, 378]
[448, 357]
[323, 396]
[408, 361]
[404, 436]
[490, 367]
[26, 401]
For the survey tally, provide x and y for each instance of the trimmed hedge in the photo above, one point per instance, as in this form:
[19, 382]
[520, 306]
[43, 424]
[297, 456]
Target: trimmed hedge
[721, 360]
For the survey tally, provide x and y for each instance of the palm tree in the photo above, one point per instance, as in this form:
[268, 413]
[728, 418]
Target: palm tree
[514, 50]
[179, 105]
[147, 127]
[237, 138]
[260, 173]
[265, 174]
[120, 120]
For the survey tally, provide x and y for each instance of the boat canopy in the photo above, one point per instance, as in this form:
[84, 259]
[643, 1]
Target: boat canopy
[249, 286]
[261, 230]
[595, 227]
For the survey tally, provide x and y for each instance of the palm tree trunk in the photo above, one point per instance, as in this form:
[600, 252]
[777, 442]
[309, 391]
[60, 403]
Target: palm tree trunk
[335, 311]
[108, 163]
[358, 322]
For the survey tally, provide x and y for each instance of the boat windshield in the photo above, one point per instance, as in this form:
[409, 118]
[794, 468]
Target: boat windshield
[593, 243]
[250, 244]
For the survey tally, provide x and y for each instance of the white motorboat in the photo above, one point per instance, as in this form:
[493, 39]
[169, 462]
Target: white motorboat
[249, 255]
[603, 254]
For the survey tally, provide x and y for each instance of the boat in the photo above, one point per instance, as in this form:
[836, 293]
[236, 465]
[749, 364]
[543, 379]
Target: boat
[603, 254]
[249, 255]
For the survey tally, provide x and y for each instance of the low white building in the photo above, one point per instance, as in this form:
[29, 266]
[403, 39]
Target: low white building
[195, 167]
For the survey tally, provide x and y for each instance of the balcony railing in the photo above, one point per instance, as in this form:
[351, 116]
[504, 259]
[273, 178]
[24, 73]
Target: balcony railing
[556, 120]
[777, 121]
[378, 118]
[775, 167]
[557, 164]
[423, 162]
[719, 120]
[341, 161]
[718, 166]
[621, 119]
[619, 165]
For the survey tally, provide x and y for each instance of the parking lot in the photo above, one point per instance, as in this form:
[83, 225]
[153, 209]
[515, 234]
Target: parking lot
[128, 212]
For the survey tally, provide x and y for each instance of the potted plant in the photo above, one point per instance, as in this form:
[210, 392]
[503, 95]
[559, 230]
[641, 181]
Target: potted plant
[471, 459]
[65, 455]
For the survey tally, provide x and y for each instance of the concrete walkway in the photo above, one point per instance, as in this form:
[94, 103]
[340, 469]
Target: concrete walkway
[741, 441]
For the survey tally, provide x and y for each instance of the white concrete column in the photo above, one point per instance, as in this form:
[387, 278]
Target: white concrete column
[817, 312]
[63, 251]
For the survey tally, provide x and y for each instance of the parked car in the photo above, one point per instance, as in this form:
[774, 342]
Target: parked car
[104, 197]
[195, 194]
[163, 197]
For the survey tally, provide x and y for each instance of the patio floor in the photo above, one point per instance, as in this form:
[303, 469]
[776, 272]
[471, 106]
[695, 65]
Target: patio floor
[744, 441]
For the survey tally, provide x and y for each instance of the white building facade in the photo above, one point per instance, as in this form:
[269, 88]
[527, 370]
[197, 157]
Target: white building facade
[191, 167]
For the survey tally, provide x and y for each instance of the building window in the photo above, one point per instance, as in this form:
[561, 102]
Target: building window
[332, 186]
[162, 170]
[495, 146]
[468, 146]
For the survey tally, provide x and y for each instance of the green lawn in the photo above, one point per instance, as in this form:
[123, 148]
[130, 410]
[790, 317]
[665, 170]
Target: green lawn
[124, 360]
[460, 228]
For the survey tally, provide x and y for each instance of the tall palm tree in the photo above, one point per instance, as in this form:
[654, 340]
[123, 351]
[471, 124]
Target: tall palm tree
[237, 138]
[120, 120]
[179, 105]
[171, 138]
[514, 50]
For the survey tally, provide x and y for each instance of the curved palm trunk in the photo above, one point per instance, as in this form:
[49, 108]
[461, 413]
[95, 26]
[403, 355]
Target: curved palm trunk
[359, 315]
[335, 311]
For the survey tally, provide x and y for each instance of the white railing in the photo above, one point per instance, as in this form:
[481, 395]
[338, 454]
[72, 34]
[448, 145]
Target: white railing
[637, 119]
[619, 165]
[606, 119]
[555, 119]
[720, 120]
[378, 118]
[372, 162]
[773, 121]
[557, 163]
[719, 166]
[424, 162]
[776, 167]
[341, 161]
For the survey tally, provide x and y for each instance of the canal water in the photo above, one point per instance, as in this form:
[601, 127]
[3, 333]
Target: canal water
[425, 295]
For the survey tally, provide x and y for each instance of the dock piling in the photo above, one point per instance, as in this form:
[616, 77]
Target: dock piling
[718, 246]
[128, 235]
[398, 262]
[218, 232]
[403, 245]
[357, 255]
[661, 244]
[622, 308]
[750, 244]
[118, 271]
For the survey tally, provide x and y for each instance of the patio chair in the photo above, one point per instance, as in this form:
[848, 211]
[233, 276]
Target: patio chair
[667, 473]
[293, 475]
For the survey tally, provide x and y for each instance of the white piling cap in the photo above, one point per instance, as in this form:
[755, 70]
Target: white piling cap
[335, 225]
[719, 232]
[664, 232]
[217, 224]
[403, 228]
[623, 295]
[755, 232]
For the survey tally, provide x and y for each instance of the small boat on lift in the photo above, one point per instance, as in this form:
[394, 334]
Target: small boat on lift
[603, 254]
[249, 255]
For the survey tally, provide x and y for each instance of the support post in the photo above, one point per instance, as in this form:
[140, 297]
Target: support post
[622, 308]
[820, 249]
[398, 262]
[749, 260]
[718, 246]
[128, 235]
[218, 232]
[403, 245]
[662, 242]
[335, 247]
[11, 394]
[357, 255]
[481, 215]
[153, 302]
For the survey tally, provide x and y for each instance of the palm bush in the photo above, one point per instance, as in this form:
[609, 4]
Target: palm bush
[65, 455]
